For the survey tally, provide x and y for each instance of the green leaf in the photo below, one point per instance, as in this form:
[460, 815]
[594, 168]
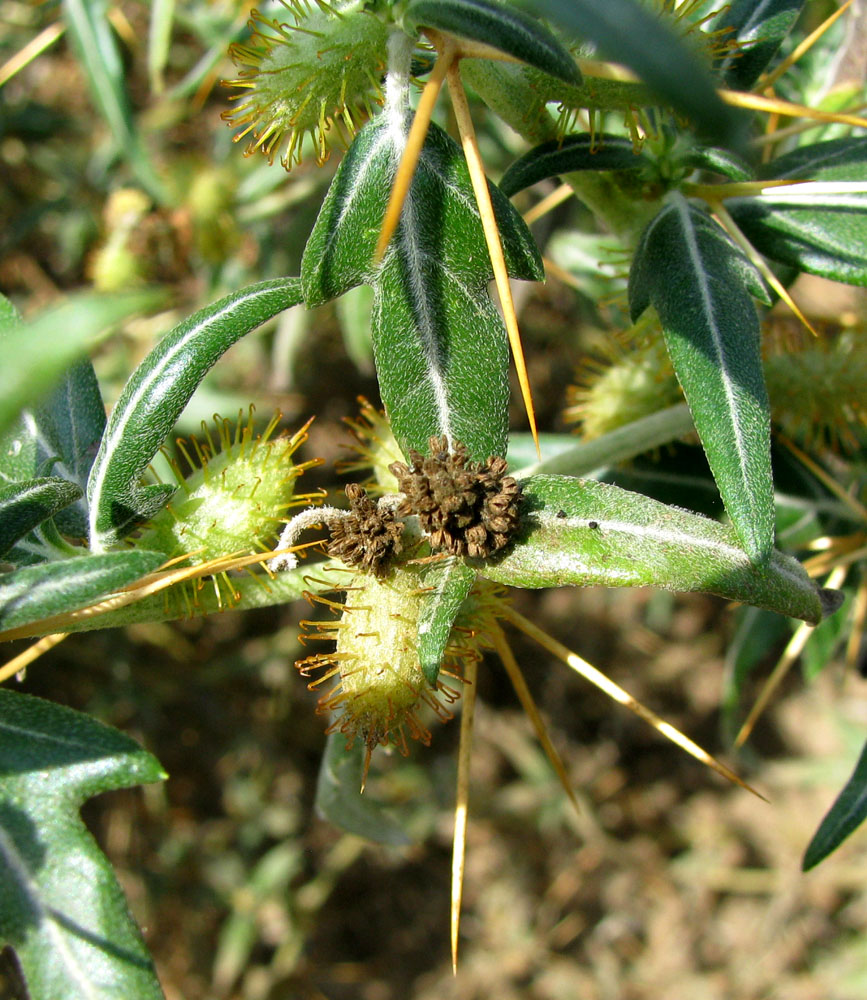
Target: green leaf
[574, 152]
[450, 582]
[68, 426]
[585, 533]
[35, 356]
[36, 592]
[833, 160]
[439, 343]
[339, 798]
[625, 32]
[844, 817]
[755, 30]
[24, 505]
[153, 398]
[719, 161]
[688, 268]
[90, 31]
[61, 908]
[499, 25]
[820, 233]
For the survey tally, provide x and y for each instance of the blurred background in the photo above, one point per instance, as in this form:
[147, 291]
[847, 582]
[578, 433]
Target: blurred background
[669, 882]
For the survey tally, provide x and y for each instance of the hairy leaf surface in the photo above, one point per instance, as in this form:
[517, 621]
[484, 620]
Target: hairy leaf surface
[586, 533]
[61, 908]
[499, 25]
[688, 268]
[36, 592]
[450, 582]
[754, 30]
[439, 343]
[574, 152]
[25, 505]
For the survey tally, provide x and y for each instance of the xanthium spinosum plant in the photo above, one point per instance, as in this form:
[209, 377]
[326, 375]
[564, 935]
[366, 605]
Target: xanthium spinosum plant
[685, 136]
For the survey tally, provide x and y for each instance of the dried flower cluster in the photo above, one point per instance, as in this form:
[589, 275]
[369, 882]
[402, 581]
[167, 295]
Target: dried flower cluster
[467, 508]
[368, 536]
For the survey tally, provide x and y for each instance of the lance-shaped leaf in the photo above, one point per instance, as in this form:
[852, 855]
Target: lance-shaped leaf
[844, 817]
[339, 798]
[822, 232]
[754, 30]
[574, 152]
[688, 268]
[586, 533]
[439, 343]
[154, 396]
[450, 582]
[819, 227]
[24, 505]
[500, 25]
[719, 161]
[61, 908]
[36, 592]
[627, 33]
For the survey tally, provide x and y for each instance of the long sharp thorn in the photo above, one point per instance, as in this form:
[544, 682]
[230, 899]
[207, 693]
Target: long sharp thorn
[412, 149]
[18, 663]
[462, 796]
[492, 237]
[755, 102]
[805, 46]
[616, 692]
[790, 655]
[529, 706]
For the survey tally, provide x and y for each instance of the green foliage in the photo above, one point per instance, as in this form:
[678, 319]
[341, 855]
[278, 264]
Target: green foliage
[84, 517]
[61, 907]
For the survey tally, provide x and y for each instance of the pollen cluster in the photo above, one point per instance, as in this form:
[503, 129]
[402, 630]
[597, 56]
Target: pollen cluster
[467, 508]
[368, 537]
[317, 75]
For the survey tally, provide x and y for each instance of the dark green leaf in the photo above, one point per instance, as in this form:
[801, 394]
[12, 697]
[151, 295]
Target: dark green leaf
[627, 33]
[450, 582]
[24, 505]
[834, 160]
[754, 29]
[439, 343]
[153, 398]
[823, 234]
[339, 798]
[719, 161]
[844, 817]
[35, 357]
[585, 533]
[68, 426]
[61, 908]
[499, 25]
[575, 152]
[35, 592]
[688, 268]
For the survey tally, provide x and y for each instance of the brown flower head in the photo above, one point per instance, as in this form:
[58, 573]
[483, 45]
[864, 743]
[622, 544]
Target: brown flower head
[467, 508]
[368, 536]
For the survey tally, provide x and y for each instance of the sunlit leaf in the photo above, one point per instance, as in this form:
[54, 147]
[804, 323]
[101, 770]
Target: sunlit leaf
[586, 533]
